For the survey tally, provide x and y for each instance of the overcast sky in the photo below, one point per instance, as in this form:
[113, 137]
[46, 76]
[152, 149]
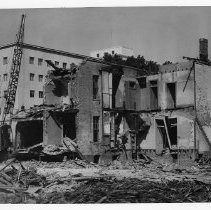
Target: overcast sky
[158, 33]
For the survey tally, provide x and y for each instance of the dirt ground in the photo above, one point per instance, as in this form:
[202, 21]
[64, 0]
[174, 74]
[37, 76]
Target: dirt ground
[75, 181]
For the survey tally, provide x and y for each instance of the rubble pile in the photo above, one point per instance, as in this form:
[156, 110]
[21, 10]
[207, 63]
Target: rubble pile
[76, 181]
[14, 184]
[131, 191]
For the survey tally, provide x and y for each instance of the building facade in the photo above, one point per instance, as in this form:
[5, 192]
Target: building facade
[124, 52]
[32, 73]
[179, 116]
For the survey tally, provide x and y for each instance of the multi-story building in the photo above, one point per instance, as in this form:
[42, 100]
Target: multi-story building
[122, 51]
[32, 73]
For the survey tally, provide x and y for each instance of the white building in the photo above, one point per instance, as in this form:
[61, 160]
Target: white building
[124, 52]
[32, 73]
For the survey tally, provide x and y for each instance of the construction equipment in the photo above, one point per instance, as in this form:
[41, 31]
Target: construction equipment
[15, 71]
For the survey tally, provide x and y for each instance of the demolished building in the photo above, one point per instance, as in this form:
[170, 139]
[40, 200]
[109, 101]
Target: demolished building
[103, 99]
[119, 110]
[177, 121]
[112, 111]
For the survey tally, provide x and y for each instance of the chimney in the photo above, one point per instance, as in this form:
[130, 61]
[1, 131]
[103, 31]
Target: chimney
[203, 49]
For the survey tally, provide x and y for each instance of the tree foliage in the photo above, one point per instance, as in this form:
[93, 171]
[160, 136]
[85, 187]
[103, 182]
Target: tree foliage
[150, 67]
[167, 62]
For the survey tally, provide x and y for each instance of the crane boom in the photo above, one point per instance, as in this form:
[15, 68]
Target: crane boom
[14, 73]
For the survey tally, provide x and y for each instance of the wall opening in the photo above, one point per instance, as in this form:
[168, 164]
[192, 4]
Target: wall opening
[69, 126]
[96, 158]
[29, 133]
[171, 94]
[153, 94]
[162, 130]
[167, 128]
[172, 123]
[96, 128]
[95, 79]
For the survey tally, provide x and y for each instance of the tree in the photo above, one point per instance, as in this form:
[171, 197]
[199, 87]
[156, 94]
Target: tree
[167, 62]
[150, 66]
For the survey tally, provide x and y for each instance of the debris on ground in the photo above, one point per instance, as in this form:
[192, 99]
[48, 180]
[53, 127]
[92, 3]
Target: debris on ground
[77, 181]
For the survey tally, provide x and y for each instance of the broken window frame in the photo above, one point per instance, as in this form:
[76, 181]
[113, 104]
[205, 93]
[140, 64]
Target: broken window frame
[96, 120]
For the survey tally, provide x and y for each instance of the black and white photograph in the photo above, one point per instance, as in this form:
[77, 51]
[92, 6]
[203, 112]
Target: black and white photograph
[105, 105]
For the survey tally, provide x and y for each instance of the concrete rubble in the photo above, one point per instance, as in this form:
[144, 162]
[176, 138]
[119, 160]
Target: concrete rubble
[76, 181]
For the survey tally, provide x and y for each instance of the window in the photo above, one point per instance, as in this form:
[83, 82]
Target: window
[142, 82]
[95, 86]
[5, 93]
[40, 61]
[56, 63]
[64, 65]
[171, 94]
[31, 93]
[31, 60]
[31, 77]
[5, 61]
[98, 55]
[48, 64]
[40, 94]
[5, 77]
[153, 94]
[95, 128]
[132, 85]
[40, 78]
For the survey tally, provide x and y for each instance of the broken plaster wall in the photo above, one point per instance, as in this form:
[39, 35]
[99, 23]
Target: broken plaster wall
[88, 108]
[203, 105]
[183, 98]
[177, 75]
[52, 129]
[185, 132]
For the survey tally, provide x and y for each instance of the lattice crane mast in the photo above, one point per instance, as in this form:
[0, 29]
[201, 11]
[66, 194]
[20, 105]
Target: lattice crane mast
[14, 73]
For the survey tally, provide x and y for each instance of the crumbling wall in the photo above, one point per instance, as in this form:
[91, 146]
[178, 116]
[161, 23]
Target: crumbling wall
[203, 105]
[185, 131]
[87, 109]
[149, 142]
[203, 94]
[28, 133]
[49, 97]
[183, 98]
[52, 130]
[55, 90]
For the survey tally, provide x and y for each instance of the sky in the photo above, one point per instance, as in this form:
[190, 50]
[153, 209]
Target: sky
[157, 33]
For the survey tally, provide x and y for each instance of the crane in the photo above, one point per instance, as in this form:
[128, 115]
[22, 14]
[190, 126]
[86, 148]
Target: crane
[14, 73]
